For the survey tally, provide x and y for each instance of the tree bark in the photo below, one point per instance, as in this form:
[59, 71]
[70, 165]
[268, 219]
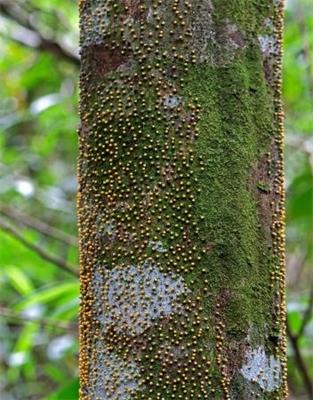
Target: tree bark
[181, 200]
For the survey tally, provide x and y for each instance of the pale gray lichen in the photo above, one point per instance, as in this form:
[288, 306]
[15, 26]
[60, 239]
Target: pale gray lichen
[203, 30]
[109, 228]
[133, 297]
[262, 369]
[127, 299]
[213, 43]
[267, 45]
[171, 101]
[157, 246]
[94, 25]
[112, 378]
[106, 232]
[149, 17]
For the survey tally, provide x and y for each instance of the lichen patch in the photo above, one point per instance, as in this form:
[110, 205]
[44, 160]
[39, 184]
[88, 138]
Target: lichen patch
[267, 44]
[136, 296]
[114, 378]
[157, 246]
[203, 30]
[95, 24]
[262, 369]
[172, 101]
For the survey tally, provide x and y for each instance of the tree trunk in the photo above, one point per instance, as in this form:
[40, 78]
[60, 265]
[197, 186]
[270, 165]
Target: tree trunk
[181, 200]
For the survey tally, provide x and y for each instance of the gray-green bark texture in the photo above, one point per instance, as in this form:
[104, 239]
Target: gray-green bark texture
[181, 201]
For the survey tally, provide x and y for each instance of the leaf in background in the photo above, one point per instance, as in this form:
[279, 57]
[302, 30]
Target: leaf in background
[300, 198]
[67, 392]
[294, 319]
[20, 356]
[49, 294]
[66, 311]
[19, 280]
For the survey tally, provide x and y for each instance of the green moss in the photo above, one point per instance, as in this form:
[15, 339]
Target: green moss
[236, 128]
[248, 15]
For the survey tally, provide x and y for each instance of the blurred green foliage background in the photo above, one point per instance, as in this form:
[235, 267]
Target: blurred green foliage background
[39, 68]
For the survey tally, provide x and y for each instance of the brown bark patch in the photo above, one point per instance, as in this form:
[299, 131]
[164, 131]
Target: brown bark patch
[104, 60]
[231, 350]
[261, 185]
[223, 299]
[135, 9]
[236, 355]
[235, 37]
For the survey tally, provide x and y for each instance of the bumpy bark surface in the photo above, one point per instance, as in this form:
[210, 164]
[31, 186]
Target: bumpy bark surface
[181, 202]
